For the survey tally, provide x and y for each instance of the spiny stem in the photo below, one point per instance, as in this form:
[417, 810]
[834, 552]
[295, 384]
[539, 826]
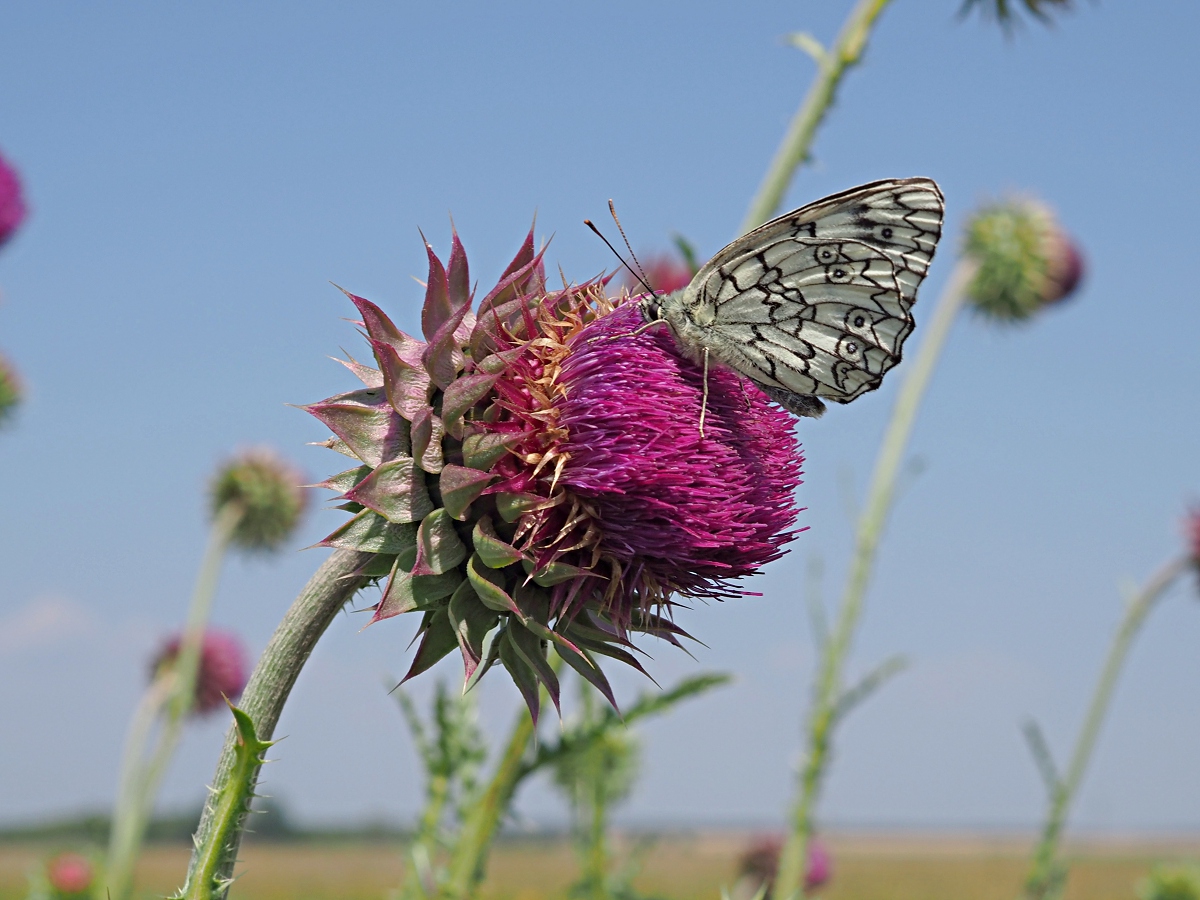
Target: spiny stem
[333, 584]
[797, 143]
[1047, 875]
[827, 695]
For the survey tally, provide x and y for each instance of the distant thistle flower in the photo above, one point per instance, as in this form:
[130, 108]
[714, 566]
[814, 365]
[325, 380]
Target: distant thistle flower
[1191, 527]
[69, 875]
[269, 492]
[537, 474]
[1026, 260]
[12, 203]
[10, 390]
[759, 864]
[223, 669]
[664, 273]
[1004, 11]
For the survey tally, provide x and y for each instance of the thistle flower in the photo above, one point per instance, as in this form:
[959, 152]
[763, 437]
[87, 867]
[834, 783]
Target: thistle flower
[12, 204]
[1003, 11]
[1191, 530]
[664, 272]
[223, 668]
[10, 390]
[760, 862]
[69, 875]
[534, 476]
[1026, 260]
[268, 491]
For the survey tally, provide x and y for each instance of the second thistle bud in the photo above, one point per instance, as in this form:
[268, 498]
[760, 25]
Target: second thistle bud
[1026, 260]
[267, 491]
[10, 390]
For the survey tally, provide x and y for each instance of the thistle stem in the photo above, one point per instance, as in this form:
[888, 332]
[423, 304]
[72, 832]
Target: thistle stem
[1047, 875]
[333, 584]
[823, 717]
[794, 150]
[172, 693]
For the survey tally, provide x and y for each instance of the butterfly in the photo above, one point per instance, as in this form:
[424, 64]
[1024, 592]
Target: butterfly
[815, 304]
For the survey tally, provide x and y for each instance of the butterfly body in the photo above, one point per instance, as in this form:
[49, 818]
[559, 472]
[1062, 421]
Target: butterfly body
[816, 303]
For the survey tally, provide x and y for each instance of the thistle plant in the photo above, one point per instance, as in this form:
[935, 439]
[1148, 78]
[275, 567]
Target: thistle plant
[256, 503]
[1016, 262]
[1171, 883]
[13, 209]
[1048, 873]
[65, 876]
[530, 478]
[10, 391]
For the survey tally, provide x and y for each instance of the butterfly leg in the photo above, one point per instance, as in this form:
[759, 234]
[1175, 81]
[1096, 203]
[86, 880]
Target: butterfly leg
[704, 396]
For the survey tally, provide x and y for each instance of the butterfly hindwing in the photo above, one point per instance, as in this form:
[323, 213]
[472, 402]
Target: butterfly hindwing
[816, 303]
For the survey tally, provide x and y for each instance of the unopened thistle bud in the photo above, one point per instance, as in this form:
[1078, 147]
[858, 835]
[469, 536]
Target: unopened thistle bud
[1026, 260]
[10, 390]
[222, 673]
[267, 491]
[532, 475]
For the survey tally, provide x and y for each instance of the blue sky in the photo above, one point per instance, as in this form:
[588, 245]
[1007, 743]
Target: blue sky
[198, 175]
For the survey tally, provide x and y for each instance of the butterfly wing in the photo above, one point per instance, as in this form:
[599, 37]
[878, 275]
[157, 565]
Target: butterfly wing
[817, 303]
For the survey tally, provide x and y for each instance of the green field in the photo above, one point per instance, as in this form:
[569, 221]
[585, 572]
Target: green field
[875, 867]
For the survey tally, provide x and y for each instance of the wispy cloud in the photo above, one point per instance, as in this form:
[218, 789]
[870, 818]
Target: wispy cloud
[45, 620]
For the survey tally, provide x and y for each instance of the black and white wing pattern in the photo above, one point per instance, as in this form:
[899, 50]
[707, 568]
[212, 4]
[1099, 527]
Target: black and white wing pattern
[816, 303]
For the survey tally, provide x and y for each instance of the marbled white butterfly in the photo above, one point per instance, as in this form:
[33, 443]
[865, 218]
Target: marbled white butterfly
[816, 303]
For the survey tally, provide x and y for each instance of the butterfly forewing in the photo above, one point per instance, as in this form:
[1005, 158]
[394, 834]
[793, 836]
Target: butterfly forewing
[816, 302]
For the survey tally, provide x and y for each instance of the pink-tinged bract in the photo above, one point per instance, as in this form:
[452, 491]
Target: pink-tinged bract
[223, 669]
[12, 202]
[532, 474]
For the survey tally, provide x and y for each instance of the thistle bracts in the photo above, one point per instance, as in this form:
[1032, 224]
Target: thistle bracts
[532, 475]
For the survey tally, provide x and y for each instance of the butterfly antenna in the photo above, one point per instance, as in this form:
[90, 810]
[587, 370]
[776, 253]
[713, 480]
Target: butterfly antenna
[612, 210]
[592, 225]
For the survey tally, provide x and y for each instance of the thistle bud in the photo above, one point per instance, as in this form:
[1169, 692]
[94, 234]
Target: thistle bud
[268, 491]
[10, 390]
[222, 673]
[1026, 260]
[12, 203]
[69, 875]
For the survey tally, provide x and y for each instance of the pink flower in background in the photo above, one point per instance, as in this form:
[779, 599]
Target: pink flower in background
[70, 874]
[222, 672]
[760, 863]
[12, 203]
[664, 273]
[820, 865]
[1191, 528]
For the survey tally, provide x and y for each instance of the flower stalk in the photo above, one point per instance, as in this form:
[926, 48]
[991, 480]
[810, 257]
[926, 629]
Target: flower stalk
[171, 695]
[832, 65]
[830, 695]
[219, 835]
[1047, 874]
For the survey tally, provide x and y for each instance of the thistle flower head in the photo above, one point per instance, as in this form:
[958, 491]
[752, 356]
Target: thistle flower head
[664, 272]
[1191, 530]
[10, 390]
[1026, 260]
[69, 875]
[531, 475]
[759, 864]
[268, 494]
[222, 673]
[12, 203]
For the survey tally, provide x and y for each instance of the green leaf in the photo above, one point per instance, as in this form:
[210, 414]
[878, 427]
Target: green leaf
[489, 585]
[372, 533]
[437, 640]
[460, 487]
[483, 449]
[365, 422]
[460, 397]
[810, 45]
[471, 621]
[396, 490]
[522, 675]
[439, 548]
[493, 552]
[427, 441]
[512, 506]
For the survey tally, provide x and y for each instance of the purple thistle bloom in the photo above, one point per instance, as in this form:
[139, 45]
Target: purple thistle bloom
[222, 673]
[12, 204]
[533, 475]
